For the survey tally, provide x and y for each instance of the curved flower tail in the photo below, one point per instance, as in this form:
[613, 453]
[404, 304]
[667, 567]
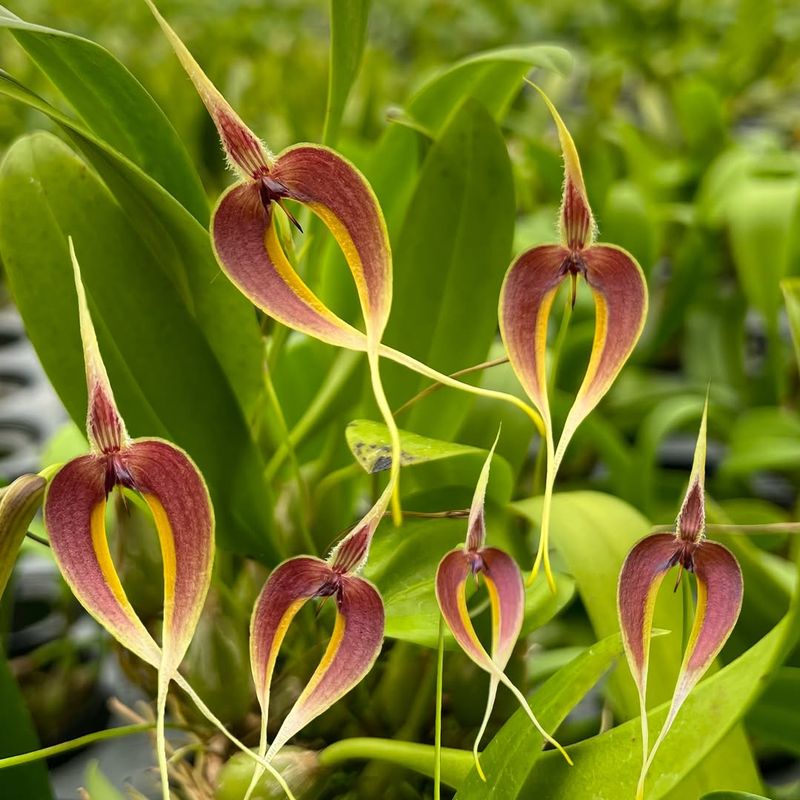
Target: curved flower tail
[19, 502]
[354, 645]
[173, 489]
[526, 300]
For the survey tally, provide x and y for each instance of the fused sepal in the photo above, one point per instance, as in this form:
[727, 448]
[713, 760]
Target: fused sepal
[353, 647]
[640, 579]
[507, 597]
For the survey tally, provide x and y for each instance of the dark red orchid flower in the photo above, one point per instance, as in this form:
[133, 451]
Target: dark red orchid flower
[720, 588]
[526, 299]
[506, 591]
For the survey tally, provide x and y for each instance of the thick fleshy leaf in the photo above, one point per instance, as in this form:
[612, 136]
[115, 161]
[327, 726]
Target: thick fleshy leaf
[720, 590]
[620, 294]
[451, 579]
[575, 221]
[526, 299]
[348, 37]
[639, 581]
[114, 105]
[18, 503]
[355, 644]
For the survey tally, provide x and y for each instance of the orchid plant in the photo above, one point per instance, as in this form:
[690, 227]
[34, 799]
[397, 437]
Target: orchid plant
[317, 610]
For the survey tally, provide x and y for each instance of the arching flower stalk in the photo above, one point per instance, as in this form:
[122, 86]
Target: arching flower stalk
[357, 633]
[173, 489]
[720, 588]
[507, 599]
[526, 299]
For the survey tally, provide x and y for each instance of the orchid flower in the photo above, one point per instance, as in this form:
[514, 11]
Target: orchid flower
[526, 299]
[506, 596]
[249, 251]
[170, 484]
[357, 633]
[719, 598]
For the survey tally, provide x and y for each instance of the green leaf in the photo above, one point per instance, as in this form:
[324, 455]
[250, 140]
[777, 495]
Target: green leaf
[403, 565]
[450, 258]
[733, 796]
[348, 37]
[593, 533]
[763, 438]
[166, 379]
[98, 786]
[369, 443]
[607, 766]
[775, 719]
[791, 296]
[17, 735]
[114, 105]
[511, 756]
[178, 244]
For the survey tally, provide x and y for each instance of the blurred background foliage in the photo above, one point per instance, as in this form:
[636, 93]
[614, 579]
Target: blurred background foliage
[687, 119]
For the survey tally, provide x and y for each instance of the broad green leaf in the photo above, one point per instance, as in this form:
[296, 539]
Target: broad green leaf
[512, 754]
[493, 77]
[348, 37]
[629, 221]
[17, 735]
[403, 565]
[763, 438]
[450, 258]
[178, 244]
[665, 417]
[166, 379]
[593, 533]
[607, 766]
[733, 796]
[98, 785]
[369, 443]
[114, 105]
[791, 297]
[775, 718]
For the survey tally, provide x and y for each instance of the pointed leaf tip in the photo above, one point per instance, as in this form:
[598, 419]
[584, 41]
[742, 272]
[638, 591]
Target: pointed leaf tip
[104, 425]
